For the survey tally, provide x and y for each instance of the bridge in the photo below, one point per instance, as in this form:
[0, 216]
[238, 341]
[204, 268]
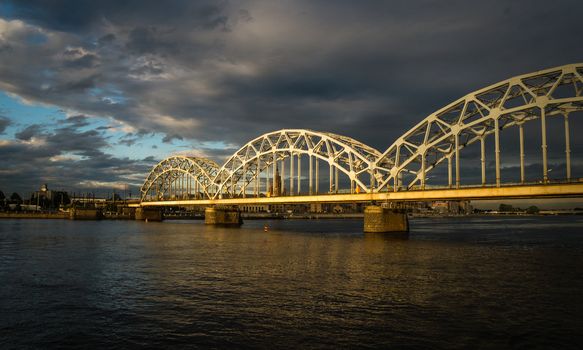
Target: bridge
[425, 163]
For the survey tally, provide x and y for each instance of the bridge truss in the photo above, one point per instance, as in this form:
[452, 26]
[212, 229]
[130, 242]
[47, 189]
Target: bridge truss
[269, 153]
[179, 177]
[473, 118]
[258, 169]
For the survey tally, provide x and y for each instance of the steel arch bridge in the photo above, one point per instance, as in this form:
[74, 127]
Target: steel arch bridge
[268, 151]
[191, 175]
[252, 174]
[511, 103]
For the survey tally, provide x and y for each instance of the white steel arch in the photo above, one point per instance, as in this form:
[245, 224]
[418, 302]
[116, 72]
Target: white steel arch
[405, 164]
[243, 169]
[439, 137]
[196, 176]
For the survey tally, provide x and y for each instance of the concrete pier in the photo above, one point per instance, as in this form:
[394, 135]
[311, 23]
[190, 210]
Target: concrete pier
[222, 216]
[148, 214]
[378, 220]
[85, 214]
[129, 213]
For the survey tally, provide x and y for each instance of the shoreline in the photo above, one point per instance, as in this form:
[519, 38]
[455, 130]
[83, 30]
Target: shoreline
[267, 216]
[28, 215]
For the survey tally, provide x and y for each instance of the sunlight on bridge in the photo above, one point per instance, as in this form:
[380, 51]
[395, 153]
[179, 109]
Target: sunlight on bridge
[297, 165]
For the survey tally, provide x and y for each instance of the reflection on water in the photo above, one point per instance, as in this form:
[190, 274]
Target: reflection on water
[450, 283]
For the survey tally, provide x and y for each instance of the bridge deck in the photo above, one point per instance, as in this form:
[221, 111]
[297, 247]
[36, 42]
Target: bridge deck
[506, 192]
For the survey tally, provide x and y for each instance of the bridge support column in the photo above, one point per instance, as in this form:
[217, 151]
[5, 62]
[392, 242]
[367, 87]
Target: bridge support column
[378, 220]
[521, 137]
[85, 214]
[222, 216]
[148, 214]
[544, 144]
[483, 159]
[457, 161]
[567, 147]
[317, 176]
[497, 150]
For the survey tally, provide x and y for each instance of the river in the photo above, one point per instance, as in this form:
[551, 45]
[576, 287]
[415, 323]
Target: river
[479, 282]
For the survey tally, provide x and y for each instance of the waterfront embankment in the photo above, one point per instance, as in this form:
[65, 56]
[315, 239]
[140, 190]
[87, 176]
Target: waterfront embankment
[34, 215]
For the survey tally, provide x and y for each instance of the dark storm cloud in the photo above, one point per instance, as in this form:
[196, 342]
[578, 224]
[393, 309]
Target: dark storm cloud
[143, 40]
[369, 70]
[86, 15]
[77, 121]
[4, 123]
[229, 71]
[29, 132]
[70, 158]
[86, 143]
[129, 139]
[169, 138]
[80, 60]
[219, 154]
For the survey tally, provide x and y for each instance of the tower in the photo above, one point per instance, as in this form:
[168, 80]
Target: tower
[276, 191]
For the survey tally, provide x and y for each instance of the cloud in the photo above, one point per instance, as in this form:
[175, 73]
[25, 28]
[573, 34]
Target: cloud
[85, 16]
[77, 121]
[237, 70]
[227, 72]
[29, 132]
[4, 123]
[169, 138]
[67, 157]
[78, 58]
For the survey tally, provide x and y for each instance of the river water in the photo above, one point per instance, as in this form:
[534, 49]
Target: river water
[479, 282]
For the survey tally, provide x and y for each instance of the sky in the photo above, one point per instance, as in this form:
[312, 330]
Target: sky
[94, 93]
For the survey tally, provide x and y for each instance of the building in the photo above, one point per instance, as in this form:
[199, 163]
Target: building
[451, 207]
[275, 189]
[48, 199]
[254, 208]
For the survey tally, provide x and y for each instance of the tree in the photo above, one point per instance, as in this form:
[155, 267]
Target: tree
[15, 198]
[533, 209]
[505, 207]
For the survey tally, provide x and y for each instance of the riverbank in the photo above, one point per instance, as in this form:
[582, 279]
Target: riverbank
[33, 215]
[272, 216]
[246, 216]
[315, 216]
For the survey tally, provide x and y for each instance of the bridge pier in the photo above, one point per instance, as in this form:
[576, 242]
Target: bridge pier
[222, 216]
[85, 214]
[378, 220]
[149, 214]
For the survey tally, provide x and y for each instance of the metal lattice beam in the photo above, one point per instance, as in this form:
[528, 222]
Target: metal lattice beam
[201, 170]
[341, 153]
[472, 118]
[438, 139]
